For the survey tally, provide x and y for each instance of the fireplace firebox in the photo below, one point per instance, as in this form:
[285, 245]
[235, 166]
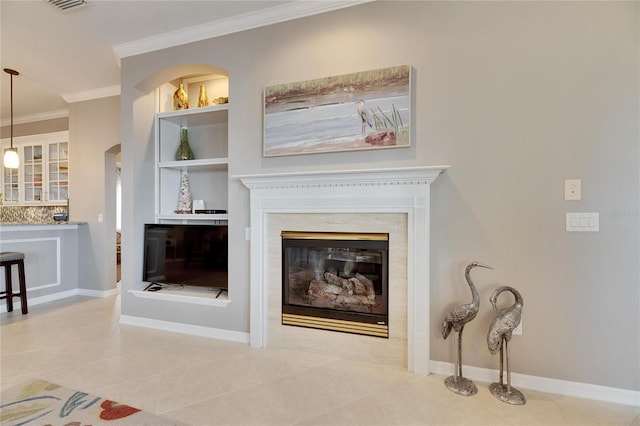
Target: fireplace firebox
[336, 281]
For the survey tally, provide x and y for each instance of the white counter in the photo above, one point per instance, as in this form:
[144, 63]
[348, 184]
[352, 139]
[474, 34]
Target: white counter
[28, 226]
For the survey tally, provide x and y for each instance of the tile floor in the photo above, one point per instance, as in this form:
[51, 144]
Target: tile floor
[78, 343]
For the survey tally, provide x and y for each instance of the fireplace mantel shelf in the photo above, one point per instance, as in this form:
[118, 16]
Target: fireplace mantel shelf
[330, 178]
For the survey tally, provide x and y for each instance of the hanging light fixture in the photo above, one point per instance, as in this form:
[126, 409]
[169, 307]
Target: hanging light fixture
[11, 159]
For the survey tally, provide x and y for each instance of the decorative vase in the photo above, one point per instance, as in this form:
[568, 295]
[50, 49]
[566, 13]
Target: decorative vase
[203, 100]
[185, 201]
[184, 150]
[180, 99]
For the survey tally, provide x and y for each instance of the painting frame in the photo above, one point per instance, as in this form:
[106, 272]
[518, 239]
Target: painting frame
[364, 110]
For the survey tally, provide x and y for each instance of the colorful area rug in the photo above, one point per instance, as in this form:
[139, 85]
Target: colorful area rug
[39, 402]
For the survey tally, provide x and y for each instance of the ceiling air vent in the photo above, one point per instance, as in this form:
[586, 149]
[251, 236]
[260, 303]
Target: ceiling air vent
[66, 5]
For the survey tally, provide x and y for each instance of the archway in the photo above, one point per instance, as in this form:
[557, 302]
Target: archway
[113, 207]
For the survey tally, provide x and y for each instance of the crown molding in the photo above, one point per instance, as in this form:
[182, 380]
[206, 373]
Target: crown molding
[103, 92]
[287, 12]
[41, 116]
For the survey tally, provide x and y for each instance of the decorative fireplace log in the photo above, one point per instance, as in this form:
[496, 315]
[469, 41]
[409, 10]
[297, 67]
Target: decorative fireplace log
[341, 290]
[319, 288]
[358, 287]
[371, 292]
[345, 299]
[332, 278]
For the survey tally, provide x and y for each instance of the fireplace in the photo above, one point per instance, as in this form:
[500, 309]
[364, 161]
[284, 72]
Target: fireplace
[398, 192]
[336, 281]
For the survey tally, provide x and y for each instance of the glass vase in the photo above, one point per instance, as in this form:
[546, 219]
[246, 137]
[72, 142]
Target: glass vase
[184, 150]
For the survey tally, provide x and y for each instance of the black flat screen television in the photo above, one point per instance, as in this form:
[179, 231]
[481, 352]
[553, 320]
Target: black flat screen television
[186, 254]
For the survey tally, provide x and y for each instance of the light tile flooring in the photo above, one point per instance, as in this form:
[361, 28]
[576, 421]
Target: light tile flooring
[78, 343]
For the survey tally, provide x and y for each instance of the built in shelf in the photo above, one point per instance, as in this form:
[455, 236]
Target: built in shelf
[192, 295]
[197, 116]
[194, 216]
[205, 163]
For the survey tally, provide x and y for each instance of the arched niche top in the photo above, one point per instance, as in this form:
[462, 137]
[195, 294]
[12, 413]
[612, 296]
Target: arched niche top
[115, 149]
[177, 72]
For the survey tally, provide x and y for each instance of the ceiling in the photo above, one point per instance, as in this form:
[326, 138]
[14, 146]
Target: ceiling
[74, 55]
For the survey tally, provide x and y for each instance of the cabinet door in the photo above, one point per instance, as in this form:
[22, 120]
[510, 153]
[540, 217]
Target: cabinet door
[33, 173]
[10, 189]
[58, 171]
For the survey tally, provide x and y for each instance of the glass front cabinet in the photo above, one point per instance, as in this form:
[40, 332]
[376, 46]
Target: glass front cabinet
[43, 175]
[58, 171]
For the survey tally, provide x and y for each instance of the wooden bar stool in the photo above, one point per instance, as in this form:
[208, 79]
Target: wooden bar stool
[7, 259]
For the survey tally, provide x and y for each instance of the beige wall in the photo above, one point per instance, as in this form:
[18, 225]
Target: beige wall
[516, 97]
[94, 136]
[35, 128]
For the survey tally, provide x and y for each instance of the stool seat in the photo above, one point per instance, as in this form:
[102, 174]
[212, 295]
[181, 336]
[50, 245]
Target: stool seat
[8, 259]
[8, 256]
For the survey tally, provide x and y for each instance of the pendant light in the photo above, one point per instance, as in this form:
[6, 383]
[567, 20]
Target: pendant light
[11, 159]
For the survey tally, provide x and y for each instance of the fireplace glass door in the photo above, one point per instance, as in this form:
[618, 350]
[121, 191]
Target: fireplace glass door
[336, 281]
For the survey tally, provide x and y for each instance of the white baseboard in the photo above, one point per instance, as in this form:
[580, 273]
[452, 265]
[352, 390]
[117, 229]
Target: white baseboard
[33, 301]
[195, 330]
[98, 293]
[544, 384]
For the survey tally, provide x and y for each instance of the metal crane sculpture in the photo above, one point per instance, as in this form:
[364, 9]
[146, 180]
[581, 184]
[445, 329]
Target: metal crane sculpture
[507, 319]
[456, 319]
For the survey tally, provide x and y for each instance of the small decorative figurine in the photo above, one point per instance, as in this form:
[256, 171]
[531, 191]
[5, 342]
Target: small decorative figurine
[184, 200]
[456, 319]
[203, 100]
[180, 98]
[507, 319]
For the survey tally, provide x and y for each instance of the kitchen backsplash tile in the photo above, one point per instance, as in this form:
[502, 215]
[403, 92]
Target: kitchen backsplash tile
[29, 214]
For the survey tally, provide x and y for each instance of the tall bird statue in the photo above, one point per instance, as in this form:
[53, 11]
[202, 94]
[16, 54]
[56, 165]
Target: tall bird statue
[456, 319]
[498, 338]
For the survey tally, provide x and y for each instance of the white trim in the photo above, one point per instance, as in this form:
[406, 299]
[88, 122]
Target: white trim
[63, 295]
[40, 116]
[544, 384]
[262, 18]
[98, 293]
[40, 300]
[195, 299]
[87, 95]
[57, 241]
[194, 330]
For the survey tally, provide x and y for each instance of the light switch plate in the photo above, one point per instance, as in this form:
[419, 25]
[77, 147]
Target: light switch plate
[583, 222]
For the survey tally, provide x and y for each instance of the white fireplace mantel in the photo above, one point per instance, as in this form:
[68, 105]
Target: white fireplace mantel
[393, 190]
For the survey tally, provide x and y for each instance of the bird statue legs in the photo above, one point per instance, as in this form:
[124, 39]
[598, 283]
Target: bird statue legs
[457, 383]
[455, 319]
[459, 354]
[506, 393]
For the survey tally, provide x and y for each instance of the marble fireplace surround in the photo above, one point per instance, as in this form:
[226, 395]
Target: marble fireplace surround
[374, 191]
